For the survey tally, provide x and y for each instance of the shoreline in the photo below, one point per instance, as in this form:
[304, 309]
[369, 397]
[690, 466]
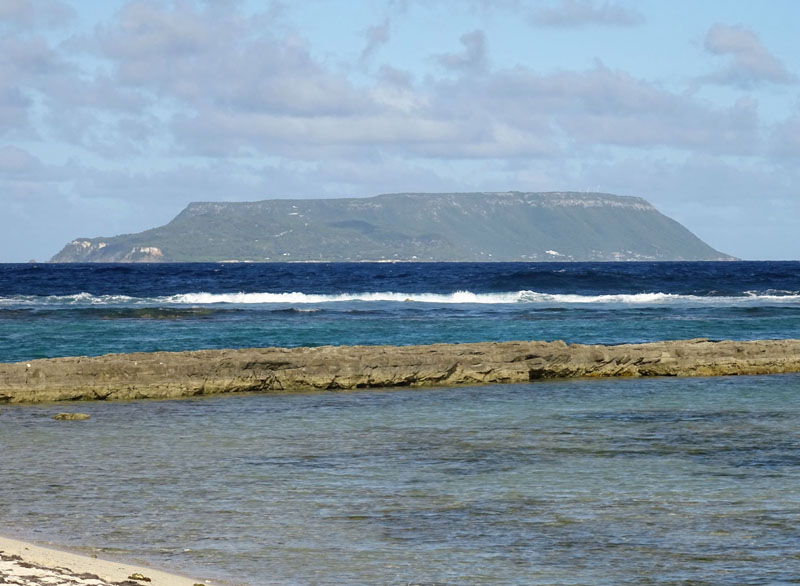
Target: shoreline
[164, 375]
[28, 564]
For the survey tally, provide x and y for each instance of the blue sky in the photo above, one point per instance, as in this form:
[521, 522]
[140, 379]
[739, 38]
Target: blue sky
[115, 114]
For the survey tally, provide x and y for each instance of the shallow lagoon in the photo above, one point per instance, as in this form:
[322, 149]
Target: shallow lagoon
[660, 481]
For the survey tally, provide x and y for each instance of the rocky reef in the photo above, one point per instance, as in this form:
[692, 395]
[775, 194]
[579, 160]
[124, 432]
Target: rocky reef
[204, 372]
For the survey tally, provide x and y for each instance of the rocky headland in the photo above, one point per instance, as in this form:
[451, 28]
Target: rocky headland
[204, 372]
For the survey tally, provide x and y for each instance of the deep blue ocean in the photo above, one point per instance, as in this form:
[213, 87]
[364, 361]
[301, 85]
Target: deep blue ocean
[662, 481]
[49, 310]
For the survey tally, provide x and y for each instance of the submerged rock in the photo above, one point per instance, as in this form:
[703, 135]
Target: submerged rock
[71, 416]
[204, 372]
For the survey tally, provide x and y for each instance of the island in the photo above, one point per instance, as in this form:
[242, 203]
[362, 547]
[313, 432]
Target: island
[443, 227]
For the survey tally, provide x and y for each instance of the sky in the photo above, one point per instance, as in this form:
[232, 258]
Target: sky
[115, 114]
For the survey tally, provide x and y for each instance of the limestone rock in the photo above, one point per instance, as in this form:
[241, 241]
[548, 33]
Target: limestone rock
[71, 416]
[204, 372]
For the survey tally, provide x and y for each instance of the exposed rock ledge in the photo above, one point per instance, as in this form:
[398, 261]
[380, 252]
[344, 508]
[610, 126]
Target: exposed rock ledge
[180, 374]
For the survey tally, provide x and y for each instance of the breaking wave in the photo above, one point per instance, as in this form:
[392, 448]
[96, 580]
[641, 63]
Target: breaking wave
[457, 297]
[78, 299]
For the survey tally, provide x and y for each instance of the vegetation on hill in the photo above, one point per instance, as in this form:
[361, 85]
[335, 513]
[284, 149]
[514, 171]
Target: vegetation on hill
[508, 226]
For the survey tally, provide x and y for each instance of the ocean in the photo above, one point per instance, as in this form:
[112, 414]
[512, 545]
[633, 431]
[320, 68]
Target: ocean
[49, 310]
[630, 481]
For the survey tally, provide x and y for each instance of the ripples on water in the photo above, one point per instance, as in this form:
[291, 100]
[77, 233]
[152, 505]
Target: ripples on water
[668, 481]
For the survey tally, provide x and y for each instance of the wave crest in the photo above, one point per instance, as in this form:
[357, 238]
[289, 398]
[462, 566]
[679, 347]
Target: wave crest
[304, 298]
[456, 297]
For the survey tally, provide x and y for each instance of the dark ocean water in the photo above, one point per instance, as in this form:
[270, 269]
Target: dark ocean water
[632, 481]
[57, 310]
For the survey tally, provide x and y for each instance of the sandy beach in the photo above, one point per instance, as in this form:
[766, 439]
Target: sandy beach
[26, 564]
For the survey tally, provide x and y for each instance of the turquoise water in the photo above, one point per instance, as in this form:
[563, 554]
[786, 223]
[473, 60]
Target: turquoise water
[654, 481]
[67, 310]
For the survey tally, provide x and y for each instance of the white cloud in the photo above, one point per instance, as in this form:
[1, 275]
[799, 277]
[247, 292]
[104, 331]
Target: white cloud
[577, 13]
[750, 62]
[472, 59]
[16, 162]
[29, 14]
[376, 37]
[599, 107]
[201, 58]
[26, 64]
[785, 139]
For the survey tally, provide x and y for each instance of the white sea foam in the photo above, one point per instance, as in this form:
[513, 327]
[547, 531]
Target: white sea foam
[74, 299]
[748, 298]
[88, 298]
[298, 298]
[468, 297]
[638, 298]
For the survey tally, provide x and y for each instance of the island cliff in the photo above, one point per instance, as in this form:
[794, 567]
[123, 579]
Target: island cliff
[447, 227]
[182, 374]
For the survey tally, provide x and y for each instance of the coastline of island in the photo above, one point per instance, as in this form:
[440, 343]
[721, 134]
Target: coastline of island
[161, 375]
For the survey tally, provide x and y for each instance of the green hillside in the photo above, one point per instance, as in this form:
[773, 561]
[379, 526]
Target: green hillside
[509, 226]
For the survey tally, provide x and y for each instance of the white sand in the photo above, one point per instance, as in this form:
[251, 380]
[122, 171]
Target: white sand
[26, 564]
